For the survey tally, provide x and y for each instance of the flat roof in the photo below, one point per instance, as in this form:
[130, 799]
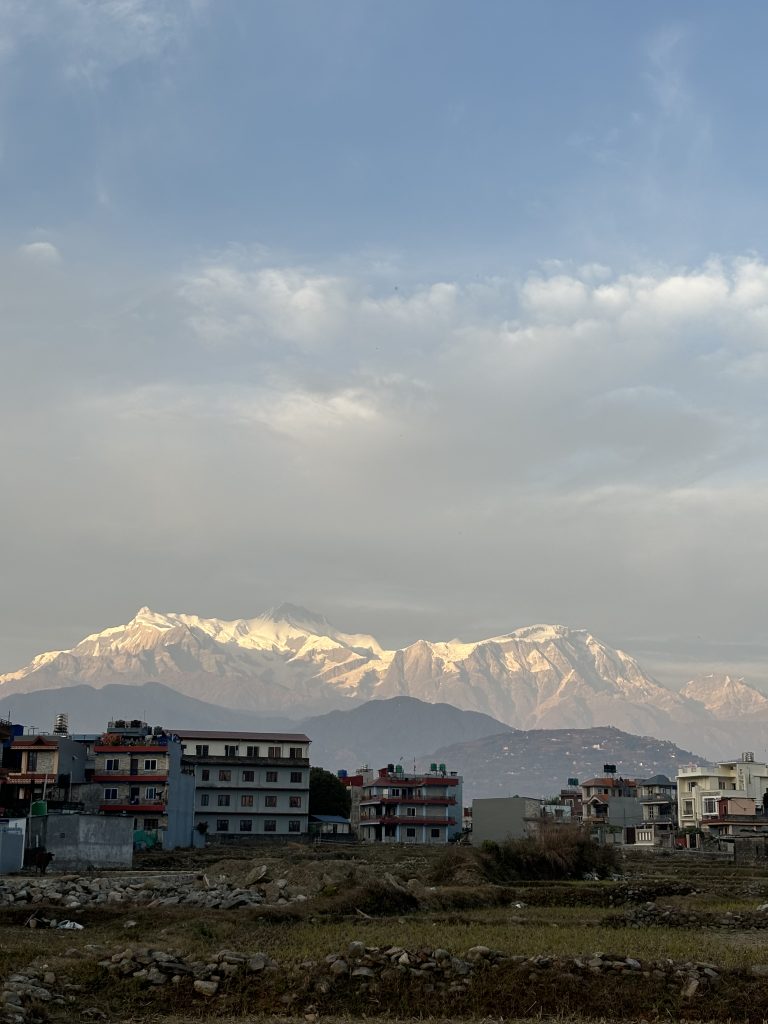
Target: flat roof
[213, 734]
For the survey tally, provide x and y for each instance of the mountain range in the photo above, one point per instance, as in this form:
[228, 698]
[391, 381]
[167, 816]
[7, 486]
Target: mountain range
[289, 663]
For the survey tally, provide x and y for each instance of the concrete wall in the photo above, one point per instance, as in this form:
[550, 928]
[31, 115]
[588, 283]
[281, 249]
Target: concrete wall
[79, 841]
[11, 850]
[500, 818]
[181, 804]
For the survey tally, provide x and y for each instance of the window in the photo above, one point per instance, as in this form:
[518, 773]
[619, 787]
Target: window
[204, 798]
[150, 793]
[201, 750]
[151, 823]
[411, 812]
[248, 776]
[246, 825]
[410, 833]
[150, 764]
[294, 825]
[113, 764]
[395, 792]
[294, 801]
[709, 805]
[271, 776]
[274, 752]
[434, 833]
[205, 775]
[110, 794]
[222, 825]
[246, 800]
[32, 761]
[270, 825]
[223, 800]
[270, 801]
[687, 808]
[225, 775]
[230, 750]
[252, 751]
[297, 776]
[296, 752]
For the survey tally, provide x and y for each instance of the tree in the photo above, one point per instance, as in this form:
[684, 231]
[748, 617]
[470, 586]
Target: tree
[327, 795]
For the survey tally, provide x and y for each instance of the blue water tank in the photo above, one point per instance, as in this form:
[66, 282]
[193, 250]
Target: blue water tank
[342, 773]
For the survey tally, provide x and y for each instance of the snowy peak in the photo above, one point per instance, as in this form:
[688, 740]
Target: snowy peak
[726, 697]
[289, 660]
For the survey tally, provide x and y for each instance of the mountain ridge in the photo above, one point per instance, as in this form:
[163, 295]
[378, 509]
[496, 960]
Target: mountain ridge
[290, 661]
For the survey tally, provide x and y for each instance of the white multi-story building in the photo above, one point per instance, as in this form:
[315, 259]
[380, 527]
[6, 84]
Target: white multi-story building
[249, 783]
[702, 788]
[420, 807]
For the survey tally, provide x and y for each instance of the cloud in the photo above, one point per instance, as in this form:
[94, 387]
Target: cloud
[93, 38]
[40, 252]
[581, 445]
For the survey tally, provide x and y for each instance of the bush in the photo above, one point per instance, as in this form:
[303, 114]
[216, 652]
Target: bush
[556, 853]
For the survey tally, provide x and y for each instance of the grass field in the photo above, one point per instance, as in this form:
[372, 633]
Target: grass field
[455, 916]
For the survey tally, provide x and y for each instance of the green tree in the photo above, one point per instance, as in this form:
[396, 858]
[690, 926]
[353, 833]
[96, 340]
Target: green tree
[327, 795]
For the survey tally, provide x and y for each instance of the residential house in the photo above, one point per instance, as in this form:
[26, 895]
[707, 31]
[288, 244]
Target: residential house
[142, 775]
[41, 768]
[497, 819]
[742, 783]
[417, 807]
[658, 799]
[249, 784]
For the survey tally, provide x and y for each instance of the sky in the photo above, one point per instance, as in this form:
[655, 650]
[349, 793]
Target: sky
[438, 318]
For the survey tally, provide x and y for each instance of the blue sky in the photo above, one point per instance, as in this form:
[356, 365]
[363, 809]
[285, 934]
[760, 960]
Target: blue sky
[439, 317]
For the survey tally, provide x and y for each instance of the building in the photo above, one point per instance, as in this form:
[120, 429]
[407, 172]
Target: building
[249, 784]
[330, 825]
[81, 842]
[498, 819]
[41, 768]
[142, 775]
[418, 807]
[742, 783]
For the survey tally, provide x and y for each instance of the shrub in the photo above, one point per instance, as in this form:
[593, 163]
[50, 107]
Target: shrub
[556, 853]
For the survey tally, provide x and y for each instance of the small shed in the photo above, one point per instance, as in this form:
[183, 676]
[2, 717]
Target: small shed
[329, 825]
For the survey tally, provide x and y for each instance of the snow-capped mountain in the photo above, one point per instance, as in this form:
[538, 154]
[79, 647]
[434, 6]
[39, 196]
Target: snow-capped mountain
[726, 697]
[293, 662]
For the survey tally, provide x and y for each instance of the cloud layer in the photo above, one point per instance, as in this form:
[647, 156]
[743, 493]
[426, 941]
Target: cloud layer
[578, 445]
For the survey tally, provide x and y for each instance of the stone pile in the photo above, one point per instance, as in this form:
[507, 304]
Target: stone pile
[73, 892]
[602, 895]
[677, 917]
[363, 971]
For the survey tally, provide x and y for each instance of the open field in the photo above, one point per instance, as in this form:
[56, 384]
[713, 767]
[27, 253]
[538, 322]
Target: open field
[399, 933]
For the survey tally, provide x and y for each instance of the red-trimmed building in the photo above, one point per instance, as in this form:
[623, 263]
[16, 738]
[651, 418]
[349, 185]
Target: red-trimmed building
[141, 773]
[420, 807]
[42, 767]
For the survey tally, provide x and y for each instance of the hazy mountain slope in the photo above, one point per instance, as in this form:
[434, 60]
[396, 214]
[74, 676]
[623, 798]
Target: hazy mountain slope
[539, 762]
[397, 730]
[293, 662]
[90, 709]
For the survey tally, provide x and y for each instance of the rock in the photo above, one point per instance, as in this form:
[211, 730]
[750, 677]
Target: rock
[356, 949]
[256, 875]
[759, 970]
[206, 988]
[691, 988]
[363, 972]
[478, 953]
[339, 967]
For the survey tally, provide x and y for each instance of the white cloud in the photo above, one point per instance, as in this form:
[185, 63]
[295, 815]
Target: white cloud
[40, 252]
[585, 445]
[92, 38]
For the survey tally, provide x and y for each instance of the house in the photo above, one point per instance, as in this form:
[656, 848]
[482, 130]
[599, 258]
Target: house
[658, 800]
[41, 767]
[508, 817]
[329, 825]
[742, 782]
[249, 784]
[417, 807]
[354, 784]
[142, 775]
